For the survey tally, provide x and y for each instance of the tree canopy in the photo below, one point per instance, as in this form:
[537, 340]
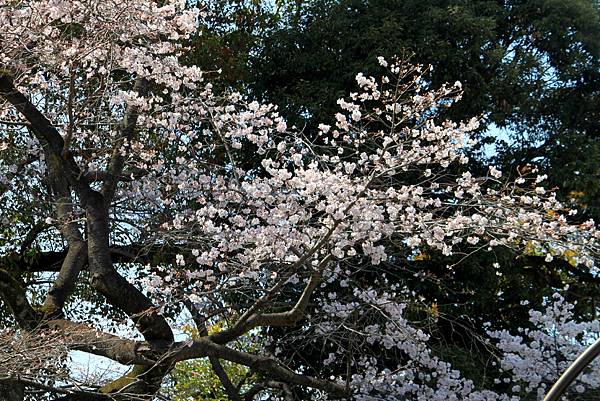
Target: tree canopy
[313, 261]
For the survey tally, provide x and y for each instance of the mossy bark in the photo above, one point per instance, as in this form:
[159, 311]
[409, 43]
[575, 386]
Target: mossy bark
[139, 380]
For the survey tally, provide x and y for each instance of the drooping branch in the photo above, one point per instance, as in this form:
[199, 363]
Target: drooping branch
[263, 364]
[203, 347]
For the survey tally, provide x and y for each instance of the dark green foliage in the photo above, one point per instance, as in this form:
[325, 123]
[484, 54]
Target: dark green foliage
[521, 62]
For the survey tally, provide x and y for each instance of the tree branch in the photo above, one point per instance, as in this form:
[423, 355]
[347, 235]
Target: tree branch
[64, 284]
[15, 297]
[76, 256]
[81, 337]
[257, 388]
[46, 133]
[228, 386]
[128, 126]
[163, 353]
[51, 261]
[288, 318]
[266, 365]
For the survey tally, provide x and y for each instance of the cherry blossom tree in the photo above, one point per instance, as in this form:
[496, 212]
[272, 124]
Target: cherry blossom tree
[124, 174]
[535, 357]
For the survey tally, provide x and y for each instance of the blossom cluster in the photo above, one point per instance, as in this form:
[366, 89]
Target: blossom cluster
[531, 359]
[534, 358]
